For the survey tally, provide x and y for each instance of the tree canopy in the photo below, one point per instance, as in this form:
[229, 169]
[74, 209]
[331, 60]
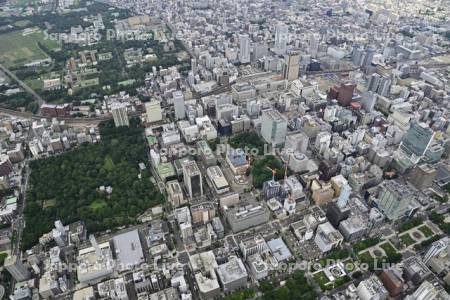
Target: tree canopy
[66, 186]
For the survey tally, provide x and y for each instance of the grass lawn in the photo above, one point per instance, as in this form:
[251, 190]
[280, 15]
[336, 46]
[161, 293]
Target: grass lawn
[349, 265]
[35, 84]
[321, 279]
[427, 232]
[407, 239]
[98, 205]
[18, 49]
[365, 256]
[388, 248]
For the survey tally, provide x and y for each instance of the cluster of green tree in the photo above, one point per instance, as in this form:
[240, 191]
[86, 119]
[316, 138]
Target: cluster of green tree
[66, 186]
[21, 99]
[443, 199]
[261, 173]
[248, 140]
[213, 144]
[3, 256]
[63, 22]
[296, 287]
[10, 24]
[438, 219]
[392, 256]
[410, 224]
[358, 247]
[241, 295]
[338, 254]
[427, 242]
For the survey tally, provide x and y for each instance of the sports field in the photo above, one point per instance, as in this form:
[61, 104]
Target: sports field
[18, 49]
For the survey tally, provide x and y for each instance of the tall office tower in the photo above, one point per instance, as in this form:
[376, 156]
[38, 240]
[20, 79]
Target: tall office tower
[370, 52]
[416, 141]
[344, 195]
[274, 127]
[313, 47]
[244, 48]
[389, 50]
[192, 178]
[291, 66]
[153, 111]
[120, 115]
[358, 55]
[281, 38]
[368, 101]
[194, 65]
[323, 141]
[394, 199]
[259, 50]
[343, 93]
[384, 86]
[16, 268]
[178, 103]
[374, 82]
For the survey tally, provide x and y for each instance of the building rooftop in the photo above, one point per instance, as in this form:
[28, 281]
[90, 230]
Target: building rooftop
[231, 271]
[128, 249]
[279, 249]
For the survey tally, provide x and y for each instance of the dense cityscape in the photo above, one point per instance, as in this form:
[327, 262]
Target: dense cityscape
[199, 149]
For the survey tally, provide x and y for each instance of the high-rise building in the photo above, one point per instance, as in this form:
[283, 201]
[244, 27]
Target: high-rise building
[244, 48]
[416, 141]
[358, 55]
[153, 111]
[429, 291]
[372, 288]
[394, 199]
[178, 103]
[281, 38]
[369, 57]
[344, 195]
[274, 127]
[343, 93]
[374, 82]
[192, 178]
[368, 101]
[384, 86]
[422, 176]
[16, 268]
[291, 66]
[313, 47]
[120, 115]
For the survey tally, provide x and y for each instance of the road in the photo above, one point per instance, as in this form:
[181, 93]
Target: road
[19, 223]
[29, 90]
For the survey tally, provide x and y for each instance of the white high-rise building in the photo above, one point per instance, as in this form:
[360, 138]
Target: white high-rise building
[178, 103]
[291, 66]
[153, 111]
[344, 195]
[120, 115]
[281, 38]
[274, 127]
[244, 48]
